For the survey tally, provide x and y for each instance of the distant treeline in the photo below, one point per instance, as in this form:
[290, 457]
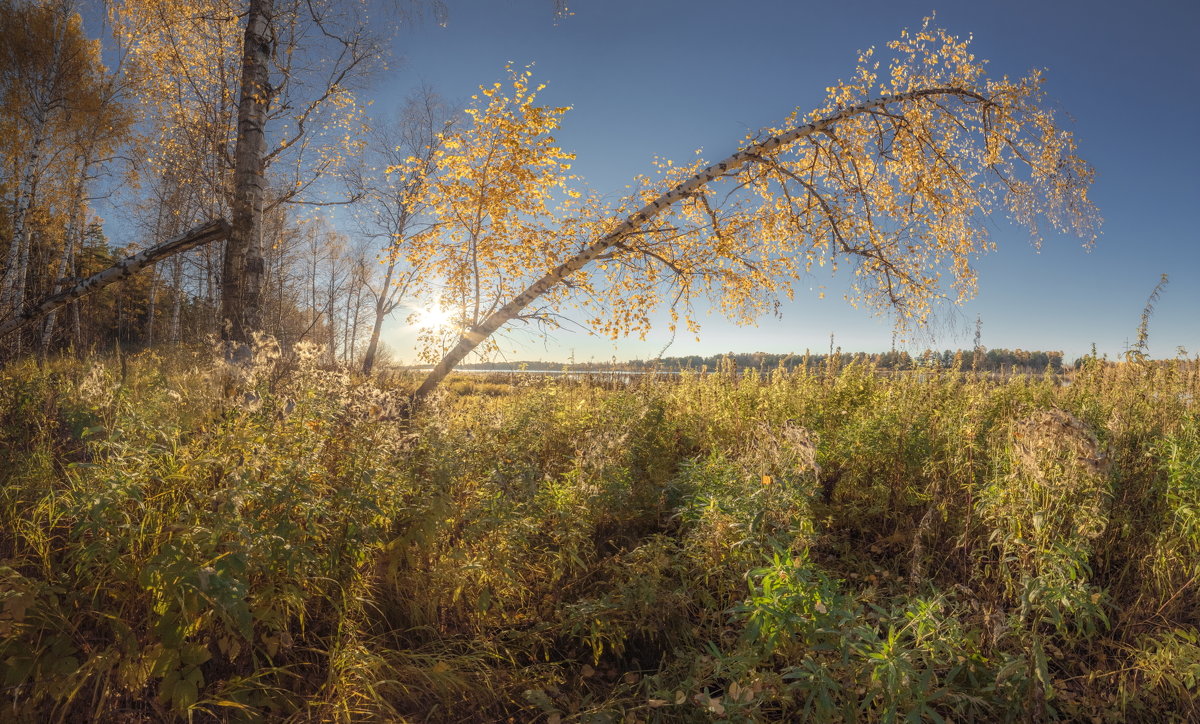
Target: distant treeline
[989, 360]
[983, 360]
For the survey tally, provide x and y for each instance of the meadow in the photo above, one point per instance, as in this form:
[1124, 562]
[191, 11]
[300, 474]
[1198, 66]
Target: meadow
[184, 541]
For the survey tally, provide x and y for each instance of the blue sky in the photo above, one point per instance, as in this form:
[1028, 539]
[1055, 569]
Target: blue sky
[665, 77]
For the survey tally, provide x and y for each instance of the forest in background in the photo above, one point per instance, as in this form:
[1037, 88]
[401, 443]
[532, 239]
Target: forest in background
[153, 132]
[979, 360]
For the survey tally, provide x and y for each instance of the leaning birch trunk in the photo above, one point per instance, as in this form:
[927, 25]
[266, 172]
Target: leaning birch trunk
[242, 267]
[472, 338]
[203, 234]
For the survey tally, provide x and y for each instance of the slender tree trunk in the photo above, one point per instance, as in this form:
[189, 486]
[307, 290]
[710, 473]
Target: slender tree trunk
[385, 302]
[331, 313]
[475, 336]
[352, 325]
[176, 298]
[279, 298]
[242, 267]
[74, 232]
[382, 307]
[45, 101]
[212, 309]
[373, 346]
[151, 308]
[12, 290]
[312, 289]
[76, 322]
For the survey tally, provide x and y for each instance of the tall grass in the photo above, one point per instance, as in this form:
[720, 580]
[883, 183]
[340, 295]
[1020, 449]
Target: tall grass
[184, 541]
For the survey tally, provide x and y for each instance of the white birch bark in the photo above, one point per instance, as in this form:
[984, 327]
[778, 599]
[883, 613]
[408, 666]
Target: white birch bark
[12, 292]
[203, 234]
[475, 336]
[151, 309]
[386, 301]
[176, 299]
[46, 95]
[73, 237]
[242, 267]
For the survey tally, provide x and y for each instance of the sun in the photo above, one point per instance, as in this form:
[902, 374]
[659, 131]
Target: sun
[432, 318]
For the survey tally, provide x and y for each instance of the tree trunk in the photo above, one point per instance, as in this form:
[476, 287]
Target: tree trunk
[73, 236]
[373, 346]
[151, 308]
[203, 234]
[242, 267]
[176, 299]
[331, 313]
[475, 336]
[351, 329]
[383, 307]
[12, 289]
[76, 321]
[45, 100]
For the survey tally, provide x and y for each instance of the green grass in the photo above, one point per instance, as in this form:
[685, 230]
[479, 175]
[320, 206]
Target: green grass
[833, 545]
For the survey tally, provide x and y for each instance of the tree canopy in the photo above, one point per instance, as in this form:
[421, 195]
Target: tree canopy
[890, 178]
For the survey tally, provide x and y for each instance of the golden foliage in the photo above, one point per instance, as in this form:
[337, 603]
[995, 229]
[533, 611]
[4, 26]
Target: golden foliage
[891, 177]
[493, 188]
[897, 193]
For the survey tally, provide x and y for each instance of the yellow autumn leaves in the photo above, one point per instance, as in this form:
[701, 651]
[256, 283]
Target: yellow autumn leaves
[896, 190]
[497, 190]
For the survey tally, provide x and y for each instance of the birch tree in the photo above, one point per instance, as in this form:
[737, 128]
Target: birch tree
[242, 268]
[286, 95]
[101, 125]
[50, 74]
[890, 178]
[494, 187]
[390, 186]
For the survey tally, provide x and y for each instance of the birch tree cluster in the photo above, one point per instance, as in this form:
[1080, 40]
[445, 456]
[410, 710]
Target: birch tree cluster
[60, 123]
[150, 143]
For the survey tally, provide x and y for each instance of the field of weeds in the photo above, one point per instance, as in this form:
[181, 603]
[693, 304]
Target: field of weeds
[178, 542]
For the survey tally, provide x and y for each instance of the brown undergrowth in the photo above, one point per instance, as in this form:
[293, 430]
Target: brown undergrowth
[728, 546]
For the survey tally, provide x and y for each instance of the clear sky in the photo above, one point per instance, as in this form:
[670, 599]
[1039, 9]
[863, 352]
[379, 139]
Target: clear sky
[665, 77]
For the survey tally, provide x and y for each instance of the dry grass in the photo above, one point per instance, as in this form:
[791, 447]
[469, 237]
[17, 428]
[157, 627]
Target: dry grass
[830, 546]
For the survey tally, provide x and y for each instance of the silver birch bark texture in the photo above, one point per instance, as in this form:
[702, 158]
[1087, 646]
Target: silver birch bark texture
[176, 299]
[475, 336]
[12, 289]
[243, 268]
[203, 234]
[46, 98]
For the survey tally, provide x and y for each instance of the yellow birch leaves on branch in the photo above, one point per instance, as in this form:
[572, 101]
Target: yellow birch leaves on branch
[495, 186]
[890, 179]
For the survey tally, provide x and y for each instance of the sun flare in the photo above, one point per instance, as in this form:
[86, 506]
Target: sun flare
[432, 318]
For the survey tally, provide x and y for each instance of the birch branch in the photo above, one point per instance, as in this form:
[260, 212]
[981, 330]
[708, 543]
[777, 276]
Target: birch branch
[475, 336]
